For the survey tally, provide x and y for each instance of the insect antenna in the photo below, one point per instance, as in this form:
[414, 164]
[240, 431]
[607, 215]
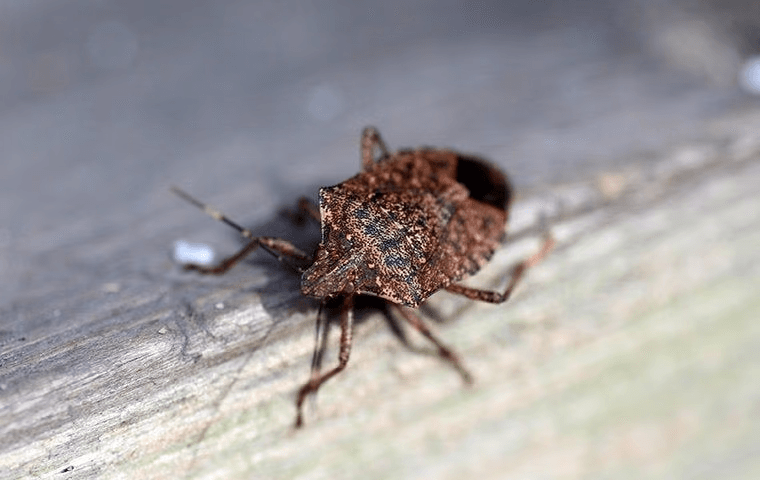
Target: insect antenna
[211, 211]
[218, 215]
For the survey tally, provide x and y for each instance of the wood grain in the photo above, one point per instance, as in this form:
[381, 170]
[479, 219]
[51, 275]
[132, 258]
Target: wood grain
[633, 351]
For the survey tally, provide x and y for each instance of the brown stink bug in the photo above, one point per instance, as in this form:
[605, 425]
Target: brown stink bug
[411, 223]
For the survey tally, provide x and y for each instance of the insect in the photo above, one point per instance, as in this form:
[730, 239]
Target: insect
[411, 223]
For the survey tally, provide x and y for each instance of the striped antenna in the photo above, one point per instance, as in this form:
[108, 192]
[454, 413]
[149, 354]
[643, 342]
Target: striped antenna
[212, 212]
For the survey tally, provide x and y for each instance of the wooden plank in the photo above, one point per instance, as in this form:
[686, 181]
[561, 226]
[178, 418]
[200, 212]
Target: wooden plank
[632, 351]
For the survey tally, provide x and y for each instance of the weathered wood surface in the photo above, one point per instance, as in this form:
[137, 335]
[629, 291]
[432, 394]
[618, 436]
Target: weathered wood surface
[631, 352]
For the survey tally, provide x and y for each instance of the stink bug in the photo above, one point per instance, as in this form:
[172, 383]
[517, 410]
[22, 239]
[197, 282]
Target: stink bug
[411, 223]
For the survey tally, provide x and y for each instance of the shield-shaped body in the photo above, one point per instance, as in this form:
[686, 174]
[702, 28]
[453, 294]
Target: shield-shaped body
[409, 225]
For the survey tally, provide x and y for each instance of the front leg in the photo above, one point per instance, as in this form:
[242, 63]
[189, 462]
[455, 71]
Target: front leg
[276, 246]
[317, 379]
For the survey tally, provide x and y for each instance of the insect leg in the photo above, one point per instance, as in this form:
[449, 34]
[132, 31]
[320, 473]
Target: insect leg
[517, 273]
[443, 351]
[321, 334]
[276, 246]
[305, 208]
[346, 336]
[371, 139]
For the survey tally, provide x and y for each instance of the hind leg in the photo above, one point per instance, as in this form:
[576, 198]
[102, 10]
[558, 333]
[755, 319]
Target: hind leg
[517, 274]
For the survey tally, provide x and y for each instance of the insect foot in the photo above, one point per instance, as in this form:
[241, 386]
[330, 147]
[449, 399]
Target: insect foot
[411, 223]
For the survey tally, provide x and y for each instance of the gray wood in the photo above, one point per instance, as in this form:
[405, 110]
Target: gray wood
[632, 351]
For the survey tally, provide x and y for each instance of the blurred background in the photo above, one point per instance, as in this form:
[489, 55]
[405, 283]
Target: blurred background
[249, 104]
